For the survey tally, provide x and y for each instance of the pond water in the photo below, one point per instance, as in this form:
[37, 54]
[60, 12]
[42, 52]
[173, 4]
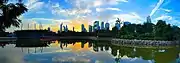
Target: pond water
[83, 51]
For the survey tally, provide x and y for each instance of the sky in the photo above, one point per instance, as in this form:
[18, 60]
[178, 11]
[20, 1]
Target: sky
[51, 13]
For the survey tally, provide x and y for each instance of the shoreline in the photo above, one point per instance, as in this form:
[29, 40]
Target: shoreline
[119, 41]
[145, 42]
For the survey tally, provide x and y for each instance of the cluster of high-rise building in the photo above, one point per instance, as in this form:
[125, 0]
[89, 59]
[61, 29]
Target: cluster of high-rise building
[83, 29]
[95, 27]
[63, 28]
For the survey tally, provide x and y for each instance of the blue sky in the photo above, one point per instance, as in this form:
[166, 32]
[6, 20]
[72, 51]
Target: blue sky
[50, 13]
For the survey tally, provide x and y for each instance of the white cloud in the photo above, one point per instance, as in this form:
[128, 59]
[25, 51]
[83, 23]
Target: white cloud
[57, 10]
[169, 19]
[164, 17]
[167, 10]
[115, 2]
[107, 9]
[40, 12]
[98, 9]
[46, 19]
[116, 9]
[97, 3]
[156, 7]
[34, 4]
[131, 17]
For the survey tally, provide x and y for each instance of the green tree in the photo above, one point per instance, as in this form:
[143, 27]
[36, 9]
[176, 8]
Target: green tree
[115, 31]
[9, 14]
[160, 29]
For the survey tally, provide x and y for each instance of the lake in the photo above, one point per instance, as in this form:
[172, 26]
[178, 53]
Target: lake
[84, 51]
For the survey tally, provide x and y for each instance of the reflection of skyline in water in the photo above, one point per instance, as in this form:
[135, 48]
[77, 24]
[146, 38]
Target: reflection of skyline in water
[88, 51]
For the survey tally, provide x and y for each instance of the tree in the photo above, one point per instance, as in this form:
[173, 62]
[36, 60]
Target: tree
[10, 12]
[114, 31]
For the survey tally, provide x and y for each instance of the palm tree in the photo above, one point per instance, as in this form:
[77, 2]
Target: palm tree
[9, 14]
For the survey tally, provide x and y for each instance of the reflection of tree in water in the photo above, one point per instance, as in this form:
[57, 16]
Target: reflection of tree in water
[31, 44]
[168, 56]
[119, 51]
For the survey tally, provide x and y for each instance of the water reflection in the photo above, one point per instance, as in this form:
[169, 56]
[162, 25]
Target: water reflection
[83, 51]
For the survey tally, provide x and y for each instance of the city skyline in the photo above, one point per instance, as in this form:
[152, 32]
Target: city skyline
[51, 13]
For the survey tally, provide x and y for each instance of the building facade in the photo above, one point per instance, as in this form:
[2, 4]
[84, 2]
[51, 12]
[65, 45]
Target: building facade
[126, 23]
[96, 26]
[148, 19]
[90, 28]
[102, 25]
[107, 26]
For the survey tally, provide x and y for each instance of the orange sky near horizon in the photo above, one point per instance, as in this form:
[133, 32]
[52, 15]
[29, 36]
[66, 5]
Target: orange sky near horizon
[75, 48]
[76, 23]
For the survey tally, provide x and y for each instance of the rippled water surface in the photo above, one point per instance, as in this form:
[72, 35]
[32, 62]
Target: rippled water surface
[84, 51]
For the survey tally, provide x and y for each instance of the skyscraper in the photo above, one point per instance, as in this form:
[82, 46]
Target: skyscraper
[66, 30]
[107, 26]
[102, 25]
[82, 27]
[61, 25]
[73, 29]
[90, 28]
[85, 30]
[49, 29]
[126, 23]
[148, 19]
[117, 24]
[96, 26]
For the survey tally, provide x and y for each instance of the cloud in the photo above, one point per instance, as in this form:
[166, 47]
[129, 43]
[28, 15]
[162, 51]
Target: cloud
[169, 19]
[164, 17]
[107, 9]
[156, 7]
[115, 2]
[56, 21]
[40, 12]
[166, 10]
[131, 17]
[116, 9]
[97, 3]
[34, 4]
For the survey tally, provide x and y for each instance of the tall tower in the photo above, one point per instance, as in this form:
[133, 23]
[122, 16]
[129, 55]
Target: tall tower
[117, 24]
[73, 29]
[107, 26]
[49, 29]
[102, 25]
[61, 26]
[148, 19]
[82, 27]
[96, 26]
[90, 28]
[66, 28]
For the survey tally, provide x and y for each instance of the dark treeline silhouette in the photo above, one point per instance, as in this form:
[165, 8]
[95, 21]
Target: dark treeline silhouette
[97, 33]
[149, 31]
[33, 33]
[31, 43]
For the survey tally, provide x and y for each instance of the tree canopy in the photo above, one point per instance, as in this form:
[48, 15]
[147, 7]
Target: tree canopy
[149, 31]
[9, 14]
